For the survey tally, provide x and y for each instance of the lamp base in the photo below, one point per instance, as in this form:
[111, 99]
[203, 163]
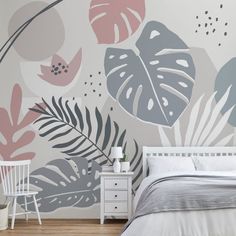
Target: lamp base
[116, 166]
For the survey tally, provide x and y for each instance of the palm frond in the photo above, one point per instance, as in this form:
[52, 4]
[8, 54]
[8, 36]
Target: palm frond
[218, 128]
[204, 128]
[178, 138]
[74, 133]
[214, 115]
[203, 119]
[164, 138]
[80, 132]
[192, 122]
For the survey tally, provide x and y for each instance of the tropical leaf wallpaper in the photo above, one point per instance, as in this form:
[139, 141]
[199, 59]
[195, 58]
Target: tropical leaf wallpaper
[78, 77]
[156, 85]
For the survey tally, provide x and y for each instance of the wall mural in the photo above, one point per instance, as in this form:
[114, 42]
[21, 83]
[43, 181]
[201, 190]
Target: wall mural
[156, 85]
[33, 29]
[208, 24]
[115, 21]
[72, 131]
[204, 126]
[224, 80]
[11, 125]
[86, 76]
[71, 119]
[60, 73]
[72, 184]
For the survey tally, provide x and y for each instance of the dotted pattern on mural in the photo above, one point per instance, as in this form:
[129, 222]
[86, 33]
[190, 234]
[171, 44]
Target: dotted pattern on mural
[209, 24]
[93, 86]
[60, 68]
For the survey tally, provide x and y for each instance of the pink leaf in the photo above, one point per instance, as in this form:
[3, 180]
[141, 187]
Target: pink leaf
[114, 21]
[8, 130]
[24, 156]
[16, 100]
[5, 124]
[25, 139]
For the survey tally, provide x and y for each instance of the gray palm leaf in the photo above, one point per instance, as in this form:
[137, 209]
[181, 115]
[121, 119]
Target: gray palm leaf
[63, 183]
[79, 131]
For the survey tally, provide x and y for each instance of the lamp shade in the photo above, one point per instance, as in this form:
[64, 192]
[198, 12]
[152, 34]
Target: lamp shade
[116, 153]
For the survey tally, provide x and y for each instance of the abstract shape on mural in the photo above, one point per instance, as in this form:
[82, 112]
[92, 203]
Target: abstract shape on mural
[60, 73]
[77, 131]
[10, 125]
[114, 21]
[93, 86]
[40, 37]
[224, 80]
[156, 85]
[63, 183]
[210, 24]
[205, 125]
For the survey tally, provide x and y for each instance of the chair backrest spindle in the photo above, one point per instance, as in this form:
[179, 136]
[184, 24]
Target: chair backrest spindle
[19, 177]
[15, 176]
[28, 168]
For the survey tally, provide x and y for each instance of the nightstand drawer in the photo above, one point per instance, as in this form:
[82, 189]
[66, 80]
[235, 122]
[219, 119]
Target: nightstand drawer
[116, 195]
[118, 207]
[116, 183]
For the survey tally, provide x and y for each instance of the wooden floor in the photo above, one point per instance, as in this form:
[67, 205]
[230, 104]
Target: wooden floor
[65, 228]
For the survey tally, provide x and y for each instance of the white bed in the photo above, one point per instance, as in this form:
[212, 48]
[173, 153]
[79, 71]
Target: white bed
[219, 222]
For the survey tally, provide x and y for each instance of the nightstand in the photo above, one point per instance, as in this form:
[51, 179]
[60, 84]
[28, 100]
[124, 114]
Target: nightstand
[116, 194]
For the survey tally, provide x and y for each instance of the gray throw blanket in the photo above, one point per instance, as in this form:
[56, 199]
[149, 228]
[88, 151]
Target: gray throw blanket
[186, 192]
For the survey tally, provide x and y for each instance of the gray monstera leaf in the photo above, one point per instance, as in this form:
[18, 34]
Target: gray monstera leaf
[224, 80]
[63, 183]
[156, 84]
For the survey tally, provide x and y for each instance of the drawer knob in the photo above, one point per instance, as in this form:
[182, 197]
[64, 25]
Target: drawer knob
[115, 195]
[115, 207]
[115, 184]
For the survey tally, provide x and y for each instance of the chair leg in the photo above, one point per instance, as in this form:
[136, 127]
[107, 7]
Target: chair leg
[37, 210]
[26, 209]
[13, 213]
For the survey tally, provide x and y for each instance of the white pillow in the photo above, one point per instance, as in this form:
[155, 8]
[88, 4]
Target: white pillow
[215, 163]
[160, 165]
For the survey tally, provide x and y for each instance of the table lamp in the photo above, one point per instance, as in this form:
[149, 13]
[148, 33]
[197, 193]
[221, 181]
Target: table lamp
[116, 153]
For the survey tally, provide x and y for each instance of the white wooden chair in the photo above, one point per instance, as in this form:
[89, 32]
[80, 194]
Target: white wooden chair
[15, 182]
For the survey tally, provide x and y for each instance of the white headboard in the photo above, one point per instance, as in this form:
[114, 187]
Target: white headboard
[184, 151]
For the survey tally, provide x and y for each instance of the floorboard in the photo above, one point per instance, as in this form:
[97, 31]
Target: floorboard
[65, 228]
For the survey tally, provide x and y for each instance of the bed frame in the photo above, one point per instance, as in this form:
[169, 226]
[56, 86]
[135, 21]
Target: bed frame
[185, 152]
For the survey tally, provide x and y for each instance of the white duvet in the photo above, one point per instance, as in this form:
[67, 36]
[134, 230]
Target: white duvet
[183, 223]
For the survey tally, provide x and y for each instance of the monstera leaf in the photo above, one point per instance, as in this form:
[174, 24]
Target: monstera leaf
[156, 85]
[224, 80]
[116, 20]
[63, 183]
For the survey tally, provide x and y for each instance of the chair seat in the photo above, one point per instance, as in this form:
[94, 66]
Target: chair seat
[21, 194]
